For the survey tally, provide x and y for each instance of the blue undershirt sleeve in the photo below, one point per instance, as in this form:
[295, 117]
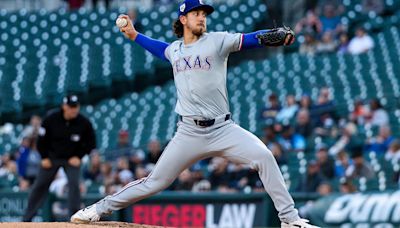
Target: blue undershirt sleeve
[155, 47]
[250, 40]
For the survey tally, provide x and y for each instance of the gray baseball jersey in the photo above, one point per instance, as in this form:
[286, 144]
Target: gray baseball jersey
[200, 72]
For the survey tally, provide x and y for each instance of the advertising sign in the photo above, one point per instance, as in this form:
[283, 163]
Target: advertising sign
[203, 212]
[358, 210]
[13, 205]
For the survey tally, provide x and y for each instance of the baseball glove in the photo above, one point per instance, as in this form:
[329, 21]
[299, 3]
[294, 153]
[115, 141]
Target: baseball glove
[276, 37]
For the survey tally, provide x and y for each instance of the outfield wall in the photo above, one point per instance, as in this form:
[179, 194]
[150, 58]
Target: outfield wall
[379, 209]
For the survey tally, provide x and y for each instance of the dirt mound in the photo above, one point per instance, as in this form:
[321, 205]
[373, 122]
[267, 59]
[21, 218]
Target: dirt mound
[72, 225]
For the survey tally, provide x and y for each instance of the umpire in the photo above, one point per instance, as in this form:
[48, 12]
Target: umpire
[64, 138]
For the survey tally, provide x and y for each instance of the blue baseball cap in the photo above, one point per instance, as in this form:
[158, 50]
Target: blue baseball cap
[189, 5]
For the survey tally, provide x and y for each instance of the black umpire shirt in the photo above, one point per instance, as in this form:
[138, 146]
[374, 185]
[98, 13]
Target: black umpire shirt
[62, 139]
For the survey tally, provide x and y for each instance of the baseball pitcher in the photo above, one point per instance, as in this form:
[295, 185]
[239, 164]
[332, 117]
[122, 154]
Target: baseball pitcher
[205, 129]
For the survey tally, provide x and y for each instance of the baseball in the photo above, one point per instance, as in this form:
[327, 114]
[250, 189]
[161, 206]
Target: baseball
[121, 22]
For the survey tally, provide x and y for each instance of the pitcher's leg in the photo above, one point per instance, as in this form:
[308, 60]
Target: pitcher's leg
[243, 147]
[181, 152]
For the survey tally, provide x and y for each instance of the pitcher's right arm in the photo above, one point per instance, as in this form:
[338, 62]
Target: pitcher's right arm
[154, 46]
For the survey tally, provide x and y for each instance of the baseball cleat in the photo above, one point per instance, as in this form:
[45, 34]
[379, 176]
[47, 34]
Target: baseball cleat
[301, 223]
[86, 215]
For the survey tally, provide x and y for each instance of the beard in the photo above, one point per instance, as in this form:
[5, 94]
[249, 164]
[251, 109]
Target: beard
[199, 30]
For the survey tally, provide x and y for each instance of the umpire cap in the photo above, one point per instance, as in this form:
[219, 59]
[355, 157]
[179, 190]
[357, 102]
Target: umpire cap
[71, 100]
[189, 5]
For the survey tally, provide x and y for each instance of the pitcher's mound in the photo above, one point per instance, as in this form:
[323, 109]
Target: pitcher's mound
[72, 225]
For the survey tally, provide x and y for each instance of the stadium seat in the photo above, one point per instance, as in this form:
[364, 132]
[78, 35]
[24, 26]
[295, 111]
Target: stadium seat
[58, 42]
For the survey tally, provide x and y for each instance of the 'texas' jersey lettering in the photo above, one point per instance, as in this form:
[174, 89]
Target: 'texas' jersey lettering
[192, 63]
[200, 73]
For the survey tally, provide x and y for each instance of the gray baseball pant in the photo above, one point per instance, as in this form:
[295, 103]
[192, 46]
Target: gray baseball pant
[192, 143]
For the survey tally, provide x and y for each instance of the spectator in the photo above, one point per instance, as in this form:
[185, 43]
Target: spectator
[377, 115]
[219, 175]
[124, 177]
[348, 140]
[197, 172]
[246, 179]
[140, 172]
[23, 185]
[309, 24]
[324, 189]
[312, 179]
[342, 163]
[269, 136]
[185, 181]
[347, 186]
[360, 167]
[361, 43]
[29, 160]
[202, 186]
[376, 6]
[343, 46]
[136, 159]
[303, 126]
[125, 148]
[359, 112]
[225, 188]
[323, 113]
[5, 160]
[92, 171]
[291, 141]
[12, 171]
[287, 113]
[254, 181]
[59, 185]
[305, 102]
[309, 46]
[269, 113]
[380, 143]
[393, 153]
[124, 174]
[107, 177]
[32, 130]
[278, 152]
[153, 151]
[327, 44]
[325, 95]
[325, 162]
[241, 176]
[122, 164]
[337, 4]
[330, 20]
[196, 179]
[9, 170]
